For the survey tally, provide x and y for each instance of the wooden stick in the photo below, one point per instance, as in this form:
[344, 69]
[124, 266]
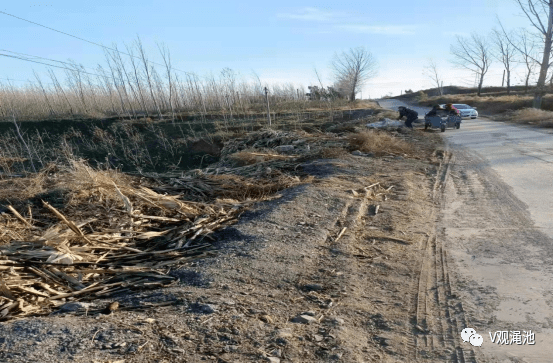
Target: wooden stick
[30, 290]
[68, 278]
[341, 233]
[274, 155]
[372, 185]
[89, 288]
[70, 224]
[45, 276]
[48, 288]
[395, 240]
[20, 217]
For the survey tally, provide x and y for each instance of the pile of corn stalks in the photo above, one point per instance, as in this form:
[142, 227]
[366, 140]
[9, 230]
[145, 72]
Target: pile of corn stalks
[114, 235]
[111, 238]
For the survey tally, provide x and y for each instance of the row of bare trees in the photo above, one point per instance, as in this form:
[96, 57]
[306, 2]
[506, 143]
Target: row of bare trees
[130, 85]
[540, 15]
[531, 47]
[476, 53]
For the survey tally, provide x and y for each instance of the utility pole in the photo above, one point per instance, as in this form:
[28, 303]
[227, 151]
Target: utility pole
[268, 110]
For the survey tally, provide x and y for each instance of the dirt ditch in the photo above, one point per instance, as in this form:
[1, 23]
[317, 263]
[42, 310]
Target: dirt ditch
[144, 145]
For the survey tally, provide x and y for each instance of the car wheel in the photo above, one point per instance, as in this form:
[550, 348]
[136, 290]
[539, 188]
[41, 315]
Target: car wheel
[442, 128]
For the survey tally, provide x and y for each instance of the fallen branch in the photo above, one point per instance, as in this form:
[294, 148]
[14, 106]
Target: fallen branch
[341, 233]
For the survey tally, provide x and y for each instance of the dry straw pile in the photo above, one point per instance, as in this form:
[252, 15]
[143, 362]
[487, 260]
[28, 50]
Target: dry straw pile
[111, 236]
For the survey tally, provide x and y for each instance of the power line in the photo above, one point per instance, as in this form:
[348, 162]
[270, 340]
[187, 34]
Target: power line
[51, 65]
[37, 57]
[48, 59]
[14, 80]
[88, 41]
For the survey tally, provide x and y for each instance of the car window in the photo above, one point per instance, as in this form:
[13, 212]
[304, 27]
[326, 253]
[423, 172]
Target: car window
[461, 107]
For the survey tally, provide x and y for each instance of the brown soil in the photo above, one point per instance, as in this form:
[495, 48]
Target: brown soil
[329, 271]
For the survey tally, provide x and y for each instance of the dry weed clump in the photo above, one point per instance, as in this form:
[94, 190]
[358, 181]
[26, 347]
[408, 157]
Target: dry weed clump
[6, 163]
[243, 158]
[20, 189]
[114, 235]
[84, 183]
[244, 188]
[379, 143]
[531, 115]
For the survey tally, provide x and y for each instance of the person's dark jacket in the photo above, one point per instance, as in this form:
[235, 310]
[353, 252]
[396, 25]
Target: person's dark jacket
[407, 112]
[434, 111]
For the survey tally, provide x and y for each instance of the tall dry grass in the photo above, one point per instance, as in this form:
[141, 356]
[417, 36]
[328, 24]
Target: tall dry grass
[531, 115]
[379, 143]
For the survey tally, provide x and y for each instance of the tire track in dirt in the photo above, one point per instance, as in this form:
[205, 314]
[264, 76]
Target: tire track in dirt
[438, 320]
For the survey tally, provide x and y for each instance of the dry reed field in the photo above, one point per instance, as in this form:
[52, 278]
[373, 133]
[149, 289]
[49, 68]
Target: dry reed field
[133, 88]
[146, 146]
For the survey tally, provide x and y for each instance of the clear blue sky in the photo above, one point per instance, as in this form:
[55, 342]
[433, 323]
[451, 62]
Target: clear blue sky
[281, 40]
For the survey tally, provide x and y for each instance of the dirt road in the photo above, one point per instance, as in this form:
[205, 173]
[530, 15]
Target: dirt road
[497, 228]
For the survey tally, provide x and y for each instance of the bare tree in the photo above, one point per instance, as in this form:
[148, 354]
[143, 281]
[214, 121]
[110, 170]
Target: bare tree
[136, 76]
[166, 55]
[526, 48]
[431, 71]
[354, 69]
[540, 15]
[505, 53]
[147, 73]
[473, 54]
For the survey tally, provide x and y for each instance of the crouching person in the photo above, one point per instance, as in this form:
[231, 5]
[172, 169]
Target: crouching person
[411, 116]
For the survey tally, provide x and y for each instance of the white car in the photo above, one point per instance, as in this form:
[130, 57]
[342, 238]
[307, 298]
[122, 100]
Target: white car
[465, 110]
